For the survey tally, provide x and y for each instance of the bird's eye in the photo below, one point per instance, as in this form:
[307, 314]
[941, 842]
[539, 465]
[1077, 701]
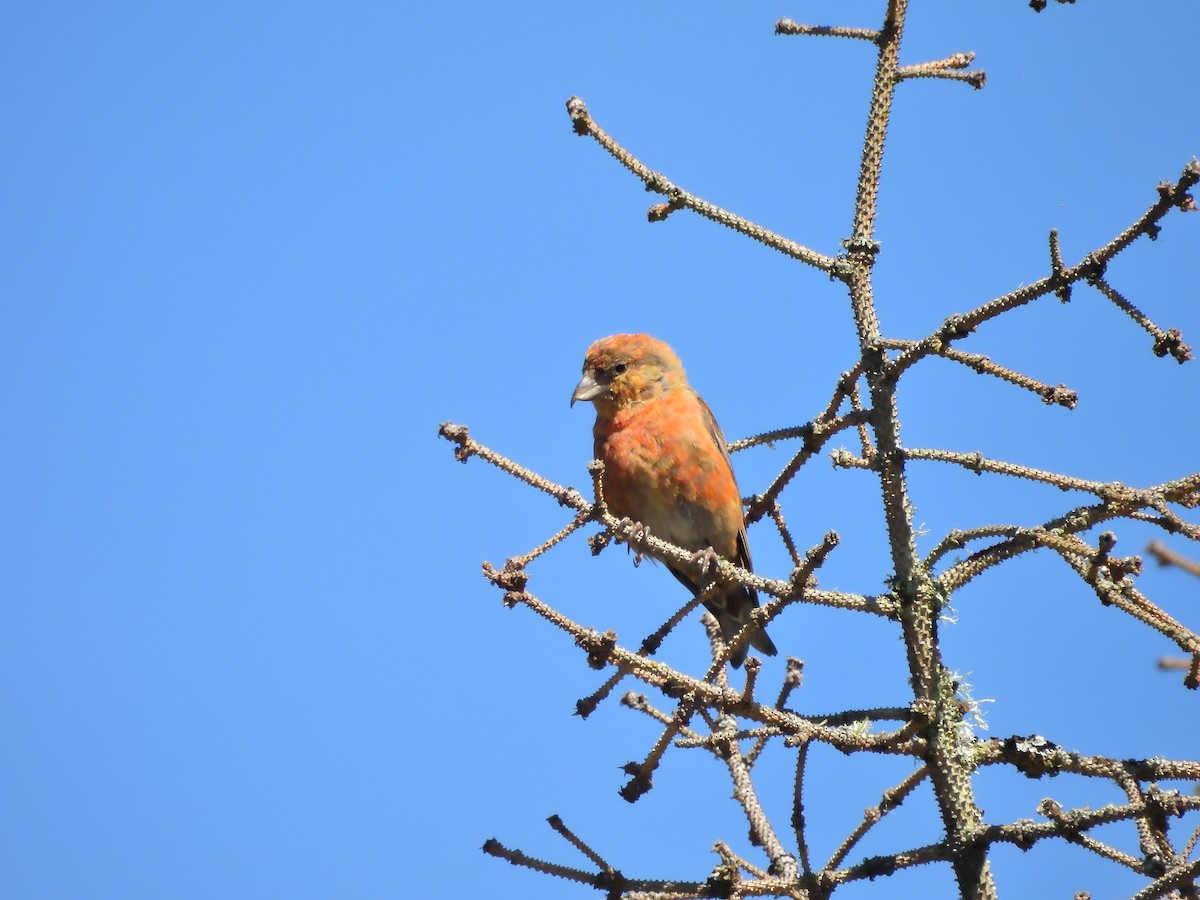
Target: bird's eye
[619, 369]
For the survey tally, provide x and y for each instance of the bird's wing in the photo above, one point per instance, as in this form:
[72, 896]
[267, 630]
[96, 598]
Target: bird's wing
[714, 430]
[744, 552]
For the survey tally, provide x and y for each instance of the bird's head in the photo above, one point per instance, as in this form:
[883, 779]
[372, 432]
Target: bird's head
[627, 369]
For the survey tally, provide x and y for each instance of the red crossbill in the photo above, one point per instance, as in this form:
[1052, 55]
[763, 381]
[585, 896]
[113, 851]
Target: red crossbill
[666, 465]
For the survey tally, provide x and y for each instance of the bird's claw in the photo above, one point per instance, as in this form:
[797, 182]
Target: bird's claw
[636, 535]
[705, 559]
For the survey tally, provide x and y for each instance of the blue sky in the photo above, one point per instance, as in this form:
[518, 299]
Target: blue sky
[253, 254]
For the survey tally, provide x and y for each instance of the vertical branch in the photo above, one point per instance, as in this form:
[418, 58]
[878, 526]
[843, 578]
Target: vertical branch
[933, 688]
[762, 833]
[861, 246]
[861, 249]
[881, 106]
[798, 822]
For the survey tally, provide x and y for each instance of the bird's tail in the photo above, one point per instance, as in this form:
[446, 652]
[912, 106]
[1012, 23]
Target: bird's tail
[732, 616]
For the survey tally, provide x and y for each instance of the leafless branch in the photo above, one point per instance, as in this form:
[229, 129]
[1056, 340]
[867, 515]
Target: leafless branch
[680, 199]
[931, 726]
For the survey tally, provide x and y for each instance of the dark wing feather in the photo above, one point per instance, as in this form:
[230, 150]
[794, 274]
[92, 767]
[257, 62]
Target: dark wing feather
[735, 609]
[714, 430]
[732, 611]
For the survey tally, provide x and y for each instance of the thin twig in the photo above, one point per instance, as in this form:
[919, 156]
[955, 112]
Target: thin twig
[1059, 395]
[520, 562]
[891, 798]
[1091, 267]
[798, 820]
[951, 67]
[681, 199]
[1071, 828]
[557, 824]
[1131, 601]
[817, 434]
[762, 833]
[792, 679]
[1165, 556]
[642, 704]
[1165, 342]
[1180, 490]
[787, 26]
[1113, 491]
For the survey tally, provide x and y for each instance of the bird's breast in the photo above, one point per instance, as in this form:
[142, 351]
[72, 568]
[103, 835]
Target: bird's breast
[662, 468]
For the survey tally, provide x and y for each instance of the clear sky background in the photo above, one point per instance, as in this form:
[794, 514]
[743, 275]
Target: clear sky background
[252, 254]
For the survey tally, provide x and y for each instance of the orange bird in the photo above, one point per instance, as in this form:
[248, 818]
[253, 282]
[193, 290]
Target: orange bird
[666, 465]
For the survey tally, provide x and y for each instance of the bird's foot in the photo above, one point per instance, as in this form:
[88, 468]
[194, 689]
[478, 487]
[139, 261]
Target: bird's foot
[705, 559]
[636, 538]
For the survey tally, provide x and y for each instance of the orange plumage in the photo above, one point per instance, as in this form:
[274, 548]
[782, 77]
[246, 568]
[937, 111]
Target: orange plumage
[666, 464]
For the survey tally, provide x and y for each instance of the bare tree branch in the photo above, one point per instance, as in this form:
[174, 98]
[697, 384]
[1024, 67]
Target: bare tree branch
[680, 199]
[933, 725]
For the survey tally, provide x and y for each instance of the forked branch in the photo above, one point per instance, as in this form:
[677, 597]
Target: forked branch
[708, 714]
[678, 198]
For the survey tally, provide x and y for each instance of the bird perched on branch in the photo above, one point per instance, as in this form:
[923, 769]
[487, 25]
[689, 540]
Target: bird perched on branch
[666, 465]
